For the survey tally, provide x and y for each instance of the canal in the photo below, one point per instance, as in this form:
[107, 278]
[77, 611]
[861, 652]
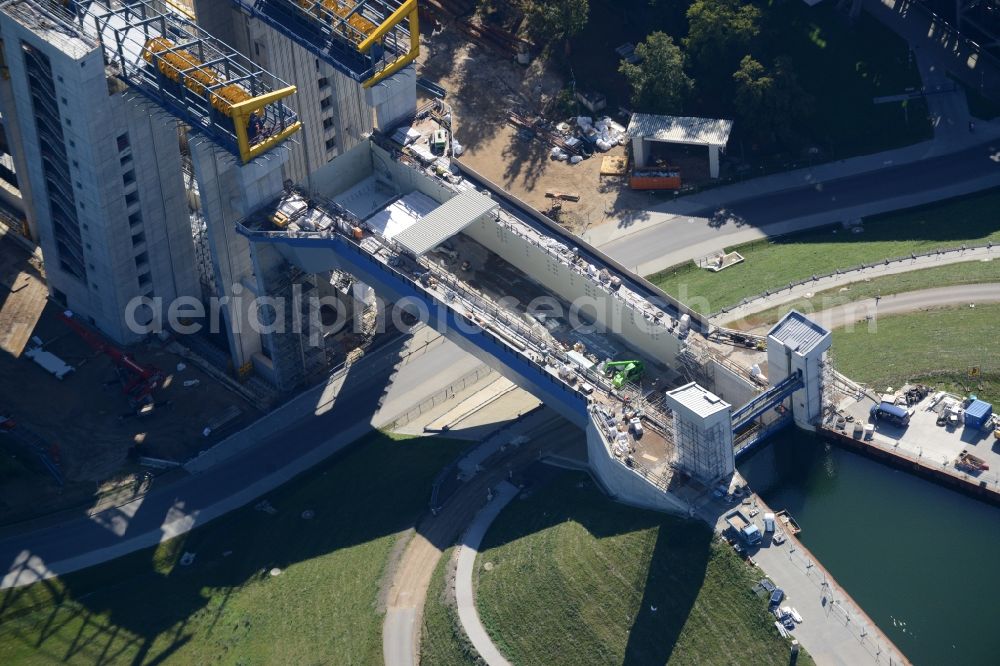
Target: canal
[923, 561]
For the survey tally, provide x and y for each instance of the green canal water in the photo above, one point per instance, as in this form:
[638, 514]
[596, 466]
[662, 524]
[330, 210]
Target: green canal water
[923, 561]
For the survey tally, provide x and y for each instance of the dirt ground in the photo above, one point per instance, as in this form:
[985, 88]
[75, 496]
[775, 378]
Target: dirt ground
[483, 86]
[85, 419]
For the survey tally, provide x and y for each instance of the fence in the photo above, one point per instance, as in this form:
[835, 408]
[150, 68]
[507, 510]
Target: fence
[441, 396]
[815, 279]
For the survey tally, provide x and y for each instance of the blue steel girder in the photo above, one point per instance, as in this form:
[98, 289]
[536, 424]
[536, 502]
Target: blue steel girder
[365, 40]
[769, 399]
[194, 77]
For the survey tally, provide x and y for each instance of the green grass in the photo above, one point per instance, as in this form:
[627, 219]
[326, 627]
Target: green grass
[972, 272]
[226, 608]
[574, 577]
[936, 347]
[772, 263]
[442, 642]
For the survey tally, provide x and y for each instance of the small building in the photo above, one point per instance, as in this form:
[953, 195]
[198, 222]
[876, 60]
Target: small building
[978, 414]
[645, 128]
[798, 344]
[703, 432]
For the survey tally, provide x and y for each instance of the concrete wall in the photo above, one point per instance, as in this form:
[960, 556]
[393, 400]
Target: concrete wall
[394, 98]
[622, 483]
[351, 168]
[735, 389]
[149, 255]
[653, 340]
[229, 193]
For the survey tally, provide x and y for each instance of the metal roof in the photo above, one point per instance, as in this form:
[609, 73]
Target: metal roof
[445, 221]
[798, 332]
[977, 409]
[680, 129]
[696, 399]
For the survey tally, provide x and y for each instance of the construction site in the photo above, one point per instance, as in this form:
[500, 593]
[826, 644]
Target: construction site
[222, 93]
[202, 140]
[263, 156]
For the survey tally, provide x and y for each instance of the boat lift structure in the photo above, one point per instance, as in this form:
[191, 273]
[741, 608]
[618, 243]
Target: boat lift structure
[367, 40]
[193, 76]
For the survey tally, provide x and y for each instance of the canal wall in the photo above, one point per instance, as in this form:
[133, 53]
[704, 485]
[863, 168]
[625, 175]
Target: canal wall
[922, 467]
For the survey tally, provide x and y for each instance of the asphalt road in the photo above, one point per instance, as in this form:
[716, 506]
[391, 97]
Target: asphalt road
[684, 227]
[174, 508]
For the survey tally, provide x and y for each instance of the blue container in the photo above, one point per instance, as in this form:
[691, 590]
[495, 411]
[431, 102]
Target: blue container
[977, 414]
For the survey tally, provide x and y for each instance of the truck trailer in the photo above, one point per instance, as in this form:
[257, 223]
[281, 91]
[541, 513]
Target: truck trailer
[744, 527]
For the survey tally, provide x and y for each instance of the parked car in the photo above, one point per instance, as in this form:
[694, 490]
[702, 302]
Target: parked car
[776, 598]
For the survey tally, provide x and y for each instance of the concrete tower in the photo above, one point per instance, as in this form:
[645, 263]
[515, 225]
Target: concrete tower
[100, 170]
[798, 344]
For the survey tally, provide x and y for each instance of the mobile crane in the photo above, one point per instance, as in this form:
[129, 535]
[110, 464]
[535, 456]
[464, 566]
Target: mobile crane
[623, 371]
[138, 380]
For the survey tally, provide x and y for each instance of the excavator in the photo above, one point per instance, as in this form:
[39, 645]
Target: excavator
[623, 371]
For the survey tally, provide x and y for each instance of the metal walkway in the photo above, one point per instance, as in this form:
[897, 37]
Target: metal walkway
[190, 74]
[769, 399]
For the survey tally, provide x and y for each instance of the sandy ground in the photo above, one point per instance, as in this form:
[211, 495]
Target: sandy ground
[483, 87]
[85, 419]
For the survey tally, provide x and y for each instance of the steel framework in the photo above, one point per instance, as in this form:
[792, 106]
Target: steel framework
[193, 76]
[368, 40]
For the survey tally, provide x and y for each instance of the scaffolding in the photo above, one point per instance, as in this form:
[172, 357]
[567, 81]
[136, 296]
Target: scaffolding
[192, 75]
[367, 40]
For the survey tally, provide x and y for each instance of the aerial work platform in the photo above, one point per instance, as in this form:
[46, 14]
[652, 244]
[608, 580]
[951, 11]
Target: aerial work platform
[367, 40]
[194, 76]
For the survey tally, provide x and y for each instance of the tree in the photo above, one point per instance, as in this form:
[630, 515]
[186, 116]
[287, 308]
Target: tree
[552, 20]
[719, 34]
[658, 81]
[770, 103]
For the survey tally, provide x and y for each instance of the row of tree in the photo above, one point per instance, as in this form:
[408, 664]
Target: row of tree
[712, 65]
[717, 54]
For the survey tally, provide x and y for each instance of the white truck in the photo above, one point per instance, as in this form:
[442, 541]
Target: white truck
[744, 527]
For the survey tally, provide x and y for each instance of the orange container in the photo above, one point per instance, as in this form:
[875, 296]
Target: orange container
[655, 182]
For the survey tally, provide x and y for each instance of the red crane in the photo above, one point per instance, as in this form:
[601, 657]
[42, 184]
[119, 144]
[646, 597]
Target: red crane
[138, 380]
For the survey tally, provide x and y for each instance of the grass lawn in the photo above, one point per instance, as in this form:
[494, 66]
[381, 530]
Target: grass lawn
[842, 67]
[442, 642]
[225, 607]
[972, 272]
[936, 347]
[773, 263]
[574, 577]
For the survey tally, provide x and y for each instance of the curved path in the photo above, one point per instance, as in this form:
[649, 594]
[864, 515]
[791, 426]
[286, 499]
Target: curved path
[435, 533]
[464, 596]
[908, 301]
[782, 295]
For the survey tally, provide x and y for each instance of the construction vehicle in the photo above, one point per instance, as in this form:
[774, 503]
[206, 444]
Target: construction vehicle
[138, 380]
[623, 371]
[744, 527]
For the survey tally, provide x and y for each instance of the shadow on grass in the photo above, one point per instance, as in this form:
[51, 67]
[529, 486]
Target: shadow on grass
[144, 607]
[677, 567]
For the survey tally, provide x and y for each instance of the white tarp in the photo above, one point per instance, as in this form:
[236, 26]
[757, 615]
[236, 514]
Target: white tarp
[401, 214]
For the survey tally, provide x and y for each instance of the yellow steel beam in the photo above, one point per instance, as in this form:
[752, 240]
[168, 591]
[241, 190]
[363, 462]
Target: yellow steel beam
[406, 10]
[241, 113]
